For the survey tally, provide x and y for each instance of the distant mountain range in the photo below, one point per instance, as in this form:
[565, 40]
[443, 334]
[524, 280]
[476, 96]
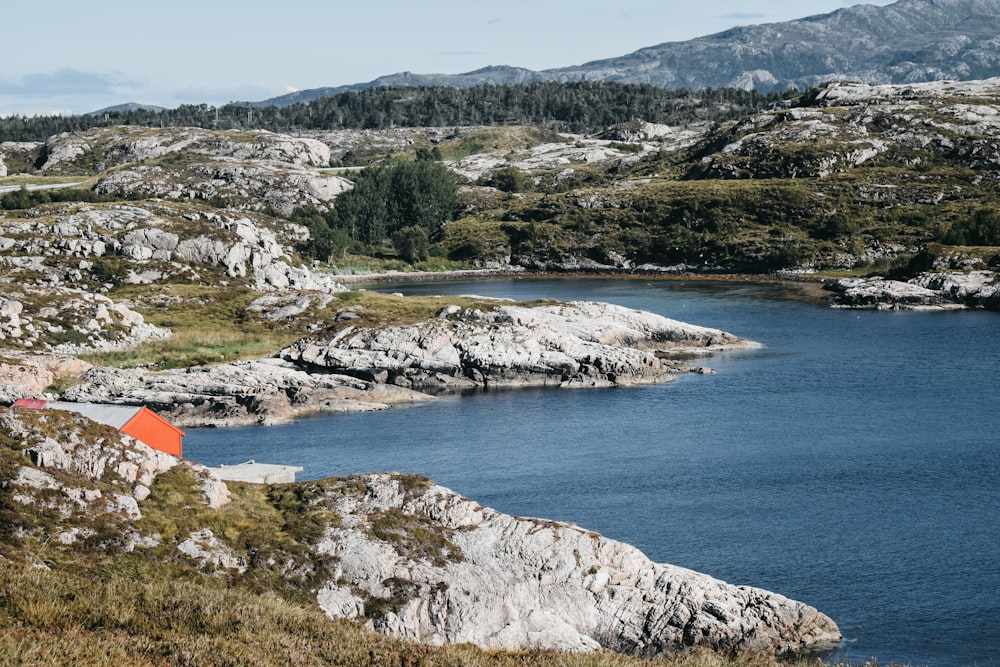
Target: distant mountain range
[909, 41]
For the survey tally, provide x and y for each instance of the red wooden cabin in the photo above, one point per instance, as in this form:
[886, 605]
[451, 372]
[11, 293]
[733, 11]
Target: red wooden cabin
[139, 422]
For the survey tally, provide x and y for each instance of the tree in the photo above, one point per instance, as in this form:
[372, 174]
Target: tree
[388, 198]
[981, 229]
[411, 243]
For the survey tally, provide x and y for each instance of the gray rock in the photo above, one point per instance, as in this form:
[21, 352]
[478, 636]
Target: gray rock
[97, 321]
[577, 344]
[503, 581]
[208, 551]
[263, 391]
[928, 291]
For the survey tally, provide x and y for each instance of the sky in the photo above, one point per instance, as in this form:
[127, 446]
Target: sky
[70, 57]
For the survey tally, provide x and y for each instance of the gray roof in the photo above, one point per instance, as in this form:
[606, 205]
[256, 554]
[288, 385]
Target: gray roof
[112, 415]
[258, 473]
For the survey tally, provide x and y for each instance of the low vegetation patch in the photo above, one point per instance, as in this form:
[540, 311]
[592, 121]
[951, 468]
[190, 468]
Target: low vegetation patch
[415, 536]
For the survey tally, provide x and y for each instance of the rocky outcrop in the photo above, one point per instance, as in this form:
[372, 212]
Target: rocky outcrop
[255, 187]
[24, 375]
[581, 151]
[576, 344]
[572, 345]
[155, 242]
[66, 320]
[69, 460]
[928, 291]
[846, 125]
[249, 170]
[16, 156]
[478, 576]
[266, 391]
[99, 149]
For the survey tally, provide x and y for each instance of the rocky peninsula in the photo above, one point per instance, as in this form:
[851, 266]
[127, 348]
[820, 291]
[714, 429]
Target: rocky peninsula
[398, 553]
[356, 368]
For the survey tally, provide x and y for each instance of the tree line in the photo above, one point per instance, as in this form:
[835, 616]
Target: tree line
[566, 107]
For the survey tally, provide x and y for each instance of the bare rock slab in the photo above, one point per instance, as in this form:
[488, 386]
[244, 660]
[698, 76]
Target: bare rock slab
[419, 562]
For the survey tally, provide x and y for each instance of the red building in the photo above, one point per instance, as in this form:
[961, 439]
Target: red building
[139, 422]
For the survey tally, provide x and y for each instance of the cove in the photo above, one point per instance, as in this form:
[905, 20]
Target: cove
[852, 463]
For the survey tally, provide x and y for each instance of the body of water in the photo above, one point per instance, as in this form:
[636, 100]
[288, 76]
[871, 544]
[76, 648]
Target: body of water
[852, 463]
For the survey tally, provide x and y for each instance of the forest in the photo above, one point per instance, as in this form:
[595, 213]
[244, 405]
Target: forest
[579, 107]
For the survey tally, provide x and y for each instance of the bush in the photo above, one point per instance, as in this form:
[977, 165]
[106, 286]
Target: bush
[982, 228]
[509, 179]
[411, 244]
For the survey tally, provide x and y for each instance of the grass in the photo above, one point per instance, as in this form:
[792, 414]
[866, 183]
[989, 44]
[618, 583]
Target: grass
[354, 265]
[415, 537]
[131, 618]
[114, 617]
[497, 139]
[210, 324]
[31, 179]
[194, 347]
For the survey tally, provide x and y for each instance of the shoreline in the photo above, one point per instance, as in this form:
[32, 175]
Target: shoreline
[809, 288]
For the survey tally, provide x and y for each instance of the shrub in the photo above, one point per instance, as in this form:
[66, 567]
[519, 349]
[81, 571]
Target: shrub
[411, 243]
[981, 228]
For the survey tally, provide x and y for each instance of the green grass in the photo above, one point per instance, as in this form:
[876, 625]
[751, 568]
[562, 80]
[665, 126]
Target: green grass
[96, 619]
[497, 139]
[31, 179]
[210, 324]
[194, 347]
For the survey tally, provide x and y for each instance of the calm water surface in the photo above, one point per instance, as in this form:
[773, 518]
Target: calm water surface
[852, 463]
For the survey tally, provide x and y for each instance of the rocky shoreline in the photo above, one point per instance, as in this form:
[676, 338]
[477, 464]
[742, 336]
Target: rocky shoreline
[398, 553]
[928, 291]
[580, 344]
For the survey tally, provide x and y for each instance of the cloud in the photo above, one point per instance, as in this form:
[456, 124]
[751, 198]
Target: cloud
[65, 82]
[451, 54]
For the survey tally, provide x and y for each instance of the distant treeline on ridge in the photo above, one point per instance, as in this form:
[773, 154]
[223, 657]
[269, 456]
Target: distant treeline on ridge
[578, 107]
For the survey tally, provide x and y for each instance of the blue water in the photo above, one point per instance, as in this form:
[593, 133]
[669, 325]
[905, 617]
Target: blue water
[852, 463]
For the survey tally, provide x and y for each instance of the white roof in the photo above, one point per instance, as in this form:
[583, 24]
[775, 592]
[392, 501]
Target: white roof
[112, 415]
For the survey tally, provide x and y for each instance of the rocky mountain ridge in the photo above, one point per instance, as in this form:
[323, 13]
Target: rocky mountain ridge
[909, 41]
